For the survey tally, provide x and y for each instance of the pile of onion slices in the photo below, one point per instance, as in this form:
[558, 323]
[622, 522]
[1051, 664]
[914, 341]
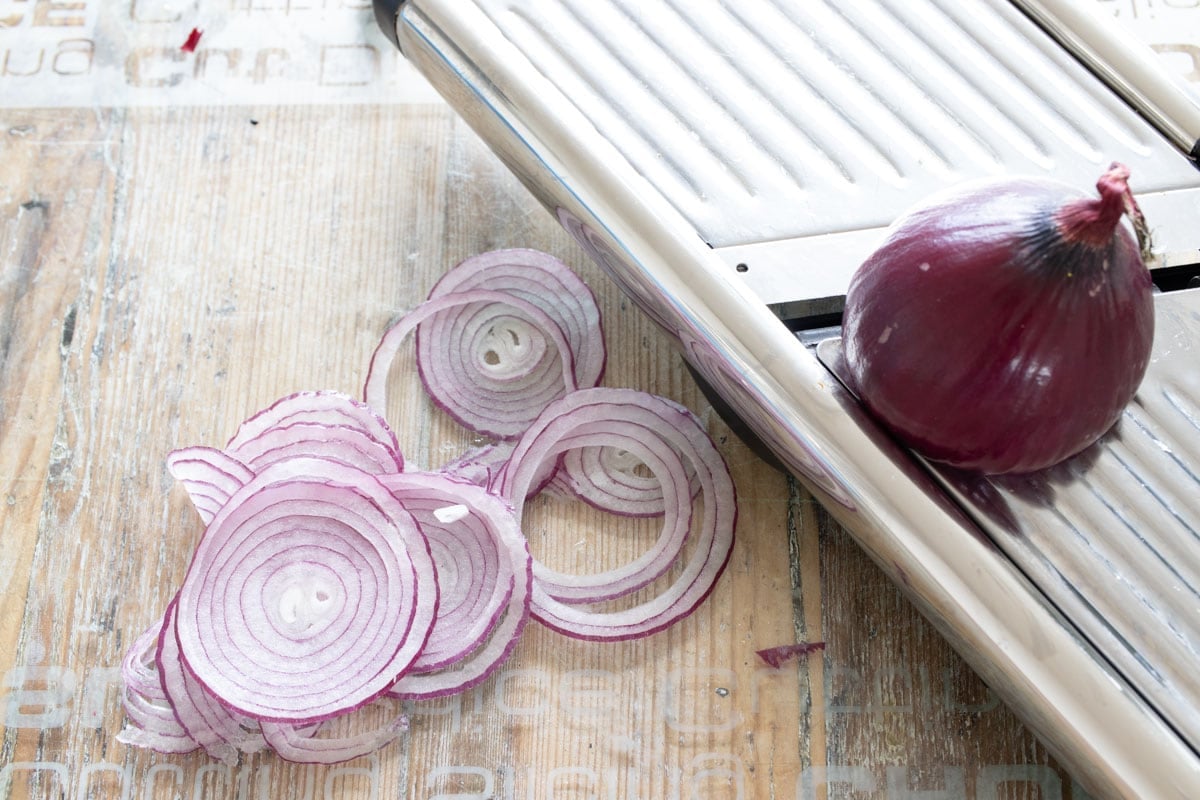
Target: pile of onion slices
[335, 579]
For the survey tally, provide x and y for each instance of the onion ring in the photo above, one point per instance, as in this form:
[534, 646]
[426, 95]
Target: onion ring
[609, 478]
[213, 726]
[335, 409]
[312, 590]
[459, 358]
[484, 571]
[209, 476]
[305, 745]
[475, 574]
[553, 432]
[342, 443]
[152, 719]
[326, 423]
[572, 434]
[500, 406]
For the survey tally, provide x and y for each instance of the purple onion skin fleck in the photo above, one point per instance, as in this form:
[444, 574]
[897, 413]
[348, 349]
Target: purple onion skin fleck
[1003, 328]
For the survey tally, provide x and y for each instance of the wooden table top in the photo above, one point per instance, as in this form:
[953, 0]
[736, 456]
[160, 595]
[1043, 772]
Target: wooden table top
[184, 238]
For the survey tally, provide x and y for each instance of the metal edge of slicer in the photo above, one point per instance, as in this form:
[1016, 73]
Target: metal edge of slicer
[669, 144]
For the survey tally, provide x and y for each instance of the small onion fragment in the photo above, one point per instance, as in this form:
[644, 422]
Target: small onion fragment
[479, 465]
[308, 558]
[778, 656]
[344, 444]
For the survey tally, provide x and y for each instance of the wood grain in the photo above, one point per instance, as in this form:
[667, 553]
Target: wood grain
[164, 272]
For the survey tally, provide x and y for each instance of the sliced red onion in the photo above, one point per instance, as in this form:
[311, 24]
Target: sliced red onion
[572, 433]
[329, 579]
[209, 476]
[328, 424]
[347, 445]
[305, 744]
[481, 663]
[497, 400]
[676, 431]
[321, 408]
[535, 277]
[470, 532]
[479, 465]
[310, 592]
[152, 720]
[484, 574]
[613, 479]
[214, 727]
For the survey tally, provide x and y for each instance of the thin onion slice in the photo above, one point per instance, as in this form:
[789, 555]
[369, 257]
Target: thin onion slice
[571, 432]
[682, 433]
[305, 743]
[780, 655]
[209, 476]
[613, 479]
[480, 664]
[152, 719]
[470, 358]
[214, 727]
[328, 408]
[548, 283]
[330, 580]
[470, 534]
[326, 423]
[310, 592]
[500, 408]
[342, 443]
[479, 629]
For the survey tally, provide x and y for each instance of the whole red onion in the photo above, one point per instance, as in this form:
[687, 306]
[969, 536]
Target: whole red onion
[1003, 327]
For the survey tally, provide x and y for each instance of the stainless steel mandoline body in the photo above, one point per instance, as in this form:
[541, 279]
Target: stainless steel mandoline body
[730, 162]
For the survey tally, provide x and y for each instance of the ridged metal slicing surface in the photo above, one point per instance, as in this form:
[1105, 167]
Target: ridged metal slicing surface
[767, 119]
[1113, 535]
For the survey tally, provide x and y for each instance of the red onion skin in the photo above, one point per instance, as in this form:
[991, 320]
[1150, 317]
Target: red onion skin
[1003, 328]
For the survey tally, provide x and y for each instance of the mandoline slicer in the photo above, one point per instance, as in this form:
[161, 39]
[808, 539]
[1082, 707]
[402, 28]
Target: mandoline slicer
[730, 162]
